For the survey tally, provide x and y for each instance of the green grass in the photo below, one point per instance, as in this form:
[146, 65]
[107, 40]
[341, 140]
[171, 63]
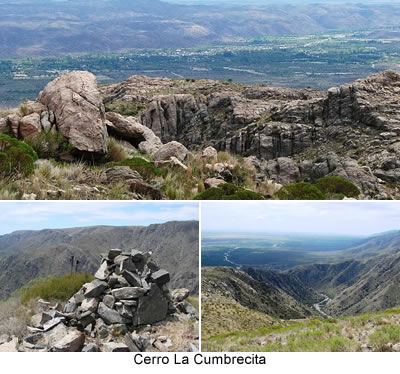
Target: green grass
[383, 335]
[194, 300]
[228, 192]
[145, 168]
[59, 288]
[318, 335]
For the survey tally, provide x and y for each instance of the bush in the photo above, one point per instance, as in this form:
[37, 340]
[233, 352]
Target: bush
[300, 191]
[59, 288]
[49, 144]
[16, 156]
[337, 185]
[228, 192]
[145, 168]
[126, 109]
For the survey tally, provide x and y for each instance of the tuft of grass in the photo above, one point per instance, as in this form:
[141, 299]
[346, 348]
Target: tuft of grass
[194, 300]
[126, 109]
[337, 186]
[60, 288]
[116, 153]
[145, 168]
[300, 191]
[228, 191]
[16, 156]
[49, 144]
[384, 335]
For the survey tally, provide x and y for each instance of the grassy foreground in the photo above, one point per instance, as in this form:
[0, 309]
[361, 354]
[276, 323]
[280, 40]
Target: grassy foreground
[368, 332]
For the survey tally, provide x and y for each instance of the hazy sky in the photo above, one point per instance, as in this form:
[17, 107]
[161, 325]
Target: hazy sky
[42, 215]
[348, 218]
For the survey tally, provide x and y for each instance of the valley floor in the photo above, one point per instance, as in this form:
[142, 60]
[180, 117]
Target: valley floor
[369, 332]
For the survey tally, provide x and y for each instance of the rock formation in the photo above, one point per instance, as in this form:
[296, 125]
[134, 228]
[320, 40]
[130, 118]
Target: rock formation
[291, 135]
[129, 293]
[288, 135]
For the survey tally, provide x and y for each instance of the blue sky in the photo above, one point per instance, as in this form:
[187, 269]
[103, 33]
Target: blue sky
[346, 218]
[43, 215]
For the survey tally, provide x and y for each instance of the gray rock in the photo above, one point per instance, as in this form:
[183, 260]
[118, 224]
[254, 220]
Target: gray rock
[180, 294]
[72, 342]
[120, 258]
[79, 110]
[89, 305]
[102, 273]
[128, 293]
[210, 153]
[160, 277]
[95, 289]
[172, 149]
[131, 344]
[137, 255]
[29, 125]
[127, 265]
[213, 182]
[115, 347]
[152, 308]
[10, 346]
[52, 323]
[38, 320]
[112, 253]
[187, 308]
[101, 329]
[109, 301]
[141, 341]
[90, 348]
[133, 279]
[109, 316]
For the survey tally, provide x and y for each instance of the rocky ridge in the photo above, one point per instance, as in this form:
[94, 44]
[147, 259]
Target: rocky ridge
[120, 311]
[287, 135]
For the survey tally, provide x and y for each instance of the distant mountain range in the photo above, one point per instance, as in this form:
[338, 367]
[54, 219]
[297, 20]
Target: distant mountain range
[26, 255]
[367, 280]
[51, 28]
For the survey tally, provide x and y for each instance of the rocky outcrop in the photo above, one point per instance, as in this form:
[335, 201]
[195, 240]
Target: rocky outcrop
[289, 131]
[128, 128]
[78, 109]
[130, 293]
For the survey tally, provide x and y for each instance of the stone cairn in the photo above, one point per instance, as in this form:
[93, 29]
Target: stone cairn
[130, 290]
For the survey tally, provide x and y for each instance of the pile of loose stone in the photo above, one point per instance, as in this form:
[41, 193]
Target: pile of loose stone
[130, 292]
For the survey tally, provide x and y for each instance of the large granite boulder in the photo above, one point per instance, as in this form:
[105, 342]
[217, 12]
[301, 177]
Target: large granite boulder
[79, 111]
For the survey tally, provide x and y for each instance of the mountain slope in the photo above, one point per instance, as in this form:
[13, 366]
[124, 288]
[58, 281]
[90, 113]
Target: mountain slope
[250, 293]
[25, 255]
[357, 286]
[49, 28]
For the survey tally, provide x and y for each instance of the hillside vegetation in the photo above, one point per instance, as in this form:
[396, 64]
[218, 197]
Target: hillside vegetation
[368, 332]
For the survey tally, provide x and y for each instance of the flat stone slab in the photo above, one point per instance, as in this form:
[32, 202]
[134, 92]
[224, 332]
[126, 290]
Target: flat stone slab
[115, 347]
[160, 277]
[110, 316]
[95, 289]
[127, 293]
[11, 346]
[133, 279]
[72, 342]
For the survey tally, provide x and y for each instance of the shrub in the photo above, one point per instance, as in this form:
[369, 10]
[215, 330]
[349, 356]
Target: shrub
[145, 168]
[126, 109]
[300, 191]
[337, 185]
[116, 153]
[228, 192]
[16, 156]
[59, 288]
[49, 144]
[384, 335]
